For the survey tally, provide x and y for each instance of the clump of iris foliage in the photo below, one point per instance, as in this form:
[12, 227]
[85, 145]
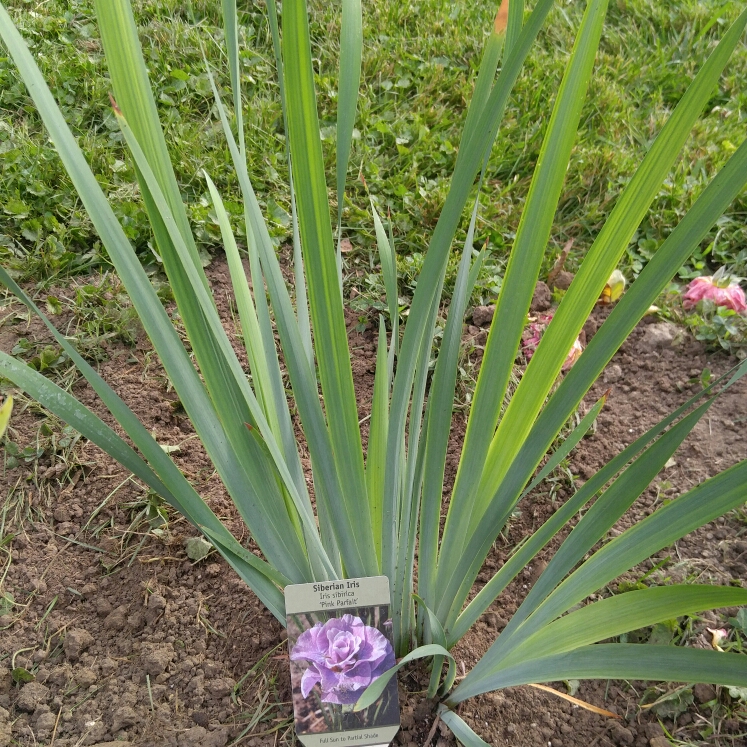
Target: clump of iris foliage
[379, 511]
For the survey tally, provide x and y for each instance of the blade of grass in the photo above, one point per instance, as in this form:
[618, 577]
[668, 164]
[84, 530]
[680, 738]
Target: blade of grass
[377, 440]
[491, 58]
[351, 55]
[408, 508]
[325, 296]
[461, 730]
[388, 260]
[568, 445]
[231, 31]
[440, 403]
[302, 305]
[435, 635]
[5, 412]
[515, 22]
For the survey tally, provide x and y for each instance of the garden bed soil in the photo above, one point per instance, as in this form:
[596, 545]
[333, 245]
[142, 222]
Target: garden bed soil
[130, 641]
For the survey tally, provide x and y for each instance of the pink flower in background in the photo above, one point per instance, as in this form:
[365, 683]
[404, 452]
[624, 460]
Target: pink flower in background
[533, 334]
[573, 356]
[718, 636]
[719, 288]
[345, 656]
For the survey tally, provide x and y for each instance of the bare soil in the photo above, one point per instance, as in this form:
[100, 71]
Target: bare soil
[131, 642]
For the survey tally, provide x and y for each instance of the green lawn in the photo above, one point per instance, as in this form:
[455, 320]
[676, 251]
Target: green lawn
[420, 60]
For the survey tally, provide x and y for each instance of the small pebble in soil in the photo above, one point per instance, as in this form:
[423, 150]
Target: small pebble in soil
[620, 734]
[44, 721]
[200, 718]
[76, 642]
[39, 656]
[482, 315]
[86, 677]
[657, 336]
[542, 298]
[103, 606]
[731, 725]
[32, 695]
[613, 374]
[563, 280]
[156, 660]
[198, 736]
[117, 620]
[124, 717]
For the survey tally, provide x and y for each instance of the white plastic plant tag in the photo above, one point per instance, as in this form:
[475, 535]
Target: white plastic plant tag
[340, 641]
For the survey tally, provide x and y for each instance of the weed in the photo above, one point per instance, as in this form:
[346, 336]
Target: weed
[719, 327]
[256, 693]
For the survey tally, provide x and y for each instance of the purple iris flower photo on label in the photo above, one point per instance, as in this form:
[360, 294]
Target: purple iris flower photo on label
[334, 657]
[345, 656]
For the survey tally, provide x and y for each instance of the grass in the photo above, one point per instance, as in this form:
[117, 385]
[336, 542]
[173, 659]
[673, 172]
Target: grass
[420, 62]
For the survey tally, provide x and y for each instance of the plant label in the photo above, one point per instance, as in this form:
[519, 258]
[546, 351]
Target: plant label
[340, 641]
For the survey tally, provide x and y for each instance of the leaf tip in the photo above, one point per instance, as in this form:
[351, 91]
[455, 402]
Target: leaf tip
[116, 108]
[501, 18]
[5, 413]
[360, 703]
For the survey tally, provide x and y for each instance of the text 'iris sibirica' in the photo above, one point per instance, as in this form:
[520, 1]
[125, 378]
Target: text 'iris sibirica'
[345, 656]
